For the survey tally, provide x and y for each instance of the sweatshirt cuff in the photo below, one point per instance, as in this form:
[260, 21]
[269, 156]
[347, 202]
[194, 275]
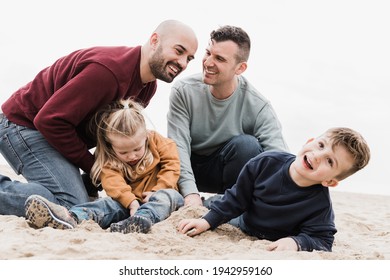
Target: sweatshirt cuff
[213, 218]
[188, 187]
[302, 242]
[86, 163]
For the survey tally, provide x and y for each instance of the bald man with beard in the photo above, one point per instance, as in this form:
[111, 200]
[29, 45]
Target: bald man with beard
[44, 125]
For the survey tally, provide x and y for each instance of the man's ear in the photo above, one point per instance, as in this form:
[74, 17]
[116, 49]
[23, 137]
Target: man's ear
[154, 40]
[330, 183]
[241, 69]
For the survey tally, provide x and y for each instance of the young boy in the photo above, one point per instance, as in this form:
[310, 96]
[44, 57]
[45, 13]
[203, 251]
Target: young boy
[284, 198]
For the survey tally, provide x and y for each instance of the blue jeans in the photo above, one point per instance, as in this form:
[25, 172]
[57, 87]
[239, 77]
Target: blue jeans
[47, 172]
[239, 223]
[106, 211]
[219, 171]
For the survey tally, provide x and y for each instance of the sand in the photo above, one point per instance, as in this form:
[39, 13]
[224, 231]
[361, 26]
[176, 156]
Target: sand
[363, 223]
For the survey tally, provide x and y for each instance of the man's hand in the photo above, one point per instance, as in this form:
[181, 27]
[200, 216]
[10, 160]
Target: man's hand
[193, 200]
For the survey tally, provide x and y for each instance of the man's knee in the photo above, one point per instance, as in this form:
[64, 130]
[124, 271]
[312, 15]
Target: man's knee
[247, 145]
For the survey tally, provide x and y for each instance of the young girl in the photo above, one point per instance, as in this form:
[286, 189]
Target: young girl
[137, 168]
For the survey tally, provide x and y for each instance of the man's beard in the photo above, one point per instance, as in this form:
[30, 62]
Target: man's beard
[158, 67]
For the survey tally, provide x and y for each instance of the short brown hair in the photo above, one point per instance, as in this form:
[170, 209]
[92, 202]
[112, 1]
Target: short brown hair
[355, 144]
[238, 36]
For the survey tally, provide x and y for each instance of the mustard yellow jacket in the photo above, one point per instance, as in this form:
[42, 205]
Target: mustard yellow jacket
[163, 173]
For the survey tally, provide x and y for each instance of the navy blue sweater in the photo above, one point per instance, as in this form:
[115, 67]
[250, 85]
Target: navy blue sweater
[273, 206]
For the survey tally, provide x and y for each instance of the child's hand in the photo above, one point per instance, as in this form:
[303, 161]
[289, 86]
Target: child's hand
[193, 227]
[146, 196]
[283, 244]
[134, 205]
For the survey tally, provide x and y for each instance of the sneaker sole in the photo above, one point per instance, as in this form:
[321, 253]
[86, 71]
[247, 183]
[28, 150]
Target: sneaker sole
[118, 228]
[135, 224]
[40, 215]
[138, 224]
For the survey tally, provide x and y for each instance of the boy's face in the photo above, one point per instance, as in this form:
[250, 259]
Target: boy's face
[319, 162]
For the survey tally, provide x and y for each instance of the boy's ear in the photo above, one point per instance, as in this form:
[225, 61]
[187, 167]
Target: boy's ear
[330, 183]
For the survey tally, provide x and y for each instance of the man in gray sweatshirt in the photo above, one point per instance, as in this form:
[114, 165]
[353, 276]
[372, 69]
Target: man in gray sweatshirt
[218, 119]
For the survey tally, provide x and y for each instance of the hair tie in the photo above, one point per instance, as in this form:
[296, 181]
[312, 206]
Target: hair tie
[126, 106]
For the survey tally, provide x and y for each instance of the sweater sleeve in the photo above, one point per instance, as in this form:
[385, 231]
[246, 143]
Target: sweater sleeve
[234, 202]
[69, 106]
[317, 233]
[116, 187]
[169, 170]
[268, 130]
[310, 243]
[179, 130]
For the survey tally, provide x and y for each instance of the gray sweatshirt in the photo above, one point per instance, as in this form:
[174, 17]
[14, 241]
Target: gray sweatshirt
[201, 124]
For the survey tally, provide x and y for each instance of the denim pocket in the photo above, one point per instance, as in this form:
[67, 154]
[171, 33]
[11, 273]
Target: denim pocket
[10, 154]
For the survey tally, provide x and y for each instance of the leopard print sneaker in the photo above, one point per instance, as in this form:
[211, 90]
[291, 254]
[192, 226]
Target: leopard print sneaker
[136, 223]
[42, 213]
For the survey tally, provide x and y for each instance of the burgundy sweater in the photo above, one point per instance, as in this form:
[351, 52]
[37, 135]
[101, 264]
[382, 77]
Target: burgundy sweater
[62, 98]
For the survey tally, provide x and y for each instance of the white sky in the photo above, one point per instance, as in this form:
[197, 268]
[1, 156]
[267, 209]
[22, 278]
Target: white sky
[321, 63]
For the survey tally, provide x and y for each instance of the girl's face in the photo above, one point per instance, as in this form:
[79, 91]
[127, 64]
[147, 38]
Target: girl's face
[129, 149]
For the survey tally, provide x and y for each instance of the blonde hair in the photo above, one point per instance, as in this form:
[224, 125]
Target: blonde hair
[356, 146]
[123, 117]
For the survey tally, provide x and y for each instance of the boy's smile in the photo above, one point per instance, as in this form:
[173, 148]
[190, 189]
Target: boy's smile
[307, 163]
[320, 162]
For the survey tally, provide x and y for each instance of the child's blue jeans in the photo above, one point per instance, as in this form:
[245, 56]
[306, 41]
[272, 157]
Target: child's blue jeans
[106, 211]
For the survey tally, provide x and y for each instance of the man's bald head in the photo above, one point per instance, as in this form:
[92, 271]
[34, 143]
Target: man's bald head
[170, 48]
[171, 27]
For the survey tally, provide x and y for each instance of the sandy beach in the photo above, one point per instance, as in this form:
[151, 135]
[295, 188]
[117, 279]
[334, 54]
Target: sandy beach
[363, 223]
